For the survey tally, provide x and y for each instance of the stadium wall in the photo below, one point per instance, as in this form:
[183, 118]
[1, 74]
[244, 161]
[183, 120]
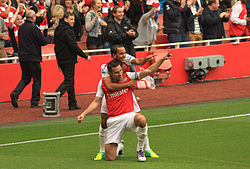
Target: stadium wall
[88, 74]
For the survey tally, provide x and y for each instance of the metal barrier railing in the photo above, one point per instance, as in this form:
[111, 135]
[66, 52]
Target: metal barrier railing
[235, 40]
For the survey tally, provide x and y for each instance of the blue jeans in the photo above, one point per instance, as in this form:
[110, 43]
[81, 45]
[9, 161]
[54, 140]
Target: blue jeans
[178, 37]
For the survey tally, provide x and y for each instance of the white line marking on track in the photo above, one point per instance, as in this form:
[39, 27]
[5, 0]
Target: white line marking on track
[154, 126]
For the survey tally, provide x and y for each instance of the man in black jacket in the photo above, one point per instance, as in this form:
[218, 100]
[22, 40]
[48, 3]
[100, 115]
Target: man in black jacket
[120, 31]
[213, 18]
[30, 41]
[175, 15]
[66, 50]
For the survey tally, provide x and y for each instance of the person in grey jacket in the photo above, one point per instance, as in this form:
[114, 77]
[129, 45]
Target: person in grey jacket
[3, 36]
[147, 28]
[93, 25]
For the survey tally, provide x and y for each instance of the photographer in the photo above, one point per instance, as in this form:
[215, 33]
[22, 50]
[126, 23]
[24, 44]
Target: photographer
[93, 24]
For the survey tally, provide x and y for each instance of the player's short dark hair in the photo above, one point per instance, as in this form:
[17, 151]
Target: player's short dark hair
[112, 64]
[114, 48]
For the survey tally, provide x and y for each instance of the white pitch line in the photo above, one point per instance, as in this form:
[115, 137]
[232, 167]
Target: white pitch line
[154, 126]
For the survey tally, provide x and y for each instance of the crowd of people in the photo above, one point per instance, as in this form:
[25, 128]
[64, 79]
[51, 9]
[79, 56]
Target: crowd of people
[108, 22]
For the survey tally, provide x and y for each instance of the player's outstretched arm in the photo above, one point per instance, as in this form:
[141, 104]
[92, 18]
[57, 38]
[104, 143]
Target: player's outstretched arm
[142, 61]
[154, 67]
[95, 103]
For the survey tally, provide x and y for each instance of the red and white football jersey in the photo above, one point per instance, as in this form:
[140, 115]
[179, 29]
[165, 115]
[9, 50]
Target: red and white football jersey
[119, 102]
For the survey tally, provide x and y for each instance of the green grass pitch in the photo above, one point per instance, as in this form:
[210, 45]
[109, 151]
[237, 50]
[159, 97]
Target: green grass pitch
[210, 144]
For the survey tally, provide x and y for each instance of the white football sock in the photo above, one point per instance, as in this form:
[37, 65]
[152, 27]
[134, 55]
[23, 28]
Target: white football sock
[146, 144]
[101, 139]
[141, 135]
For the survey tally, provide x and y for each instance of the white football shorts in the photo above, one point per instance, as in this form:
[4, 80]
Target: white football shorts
[117, 125]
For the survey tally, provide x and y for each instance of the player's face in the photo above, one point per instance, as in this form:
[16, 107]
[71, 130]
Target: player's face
[116, 73]
[120, 54]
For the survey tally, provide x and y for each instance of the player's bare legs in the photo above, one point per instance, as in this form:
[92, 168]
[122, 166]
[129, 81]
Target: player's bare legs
[111, 151]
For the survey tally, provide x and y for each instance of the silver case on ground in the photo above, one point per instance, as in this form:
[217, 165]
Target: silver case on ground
[51, 104]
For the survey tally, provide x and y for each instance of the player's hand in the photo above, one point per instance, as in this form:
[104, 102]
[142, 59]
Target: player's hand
[80, 118]
[150, 58]
[168, 55]
[132, 83]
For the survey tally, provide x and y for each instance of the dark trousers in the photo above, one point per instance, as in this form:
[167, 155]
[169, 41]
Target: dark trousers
[179, 37]
[68, 85]
[30, 70]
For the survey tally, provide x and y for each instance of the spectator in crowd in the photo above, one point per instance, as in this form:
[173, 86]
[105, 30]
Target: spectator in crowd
[175, 16]
[57, 13]
[33, 5]
[195, 23]
[3, 36]
[44, 23]
[154, 3]
[15, 22]
[213, 21]
[30, 41]
[126, 7]
[120, 31]
[147, 27]
[79, 17]
[6, 12]
[238, 20]
[93, 25]
[135, 12]
[66, 50]
[225, 4]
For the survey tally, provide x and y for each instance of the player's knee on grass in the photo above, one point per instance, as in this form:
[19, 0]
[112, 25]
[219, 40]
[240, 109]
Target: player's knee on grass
[110, 151]
[140, 120]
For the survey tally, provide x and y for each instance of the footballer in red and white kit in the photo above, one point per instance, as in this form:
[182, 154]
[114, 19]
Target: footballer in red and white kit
[125, 67]
[121, 114]
[118, 104]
